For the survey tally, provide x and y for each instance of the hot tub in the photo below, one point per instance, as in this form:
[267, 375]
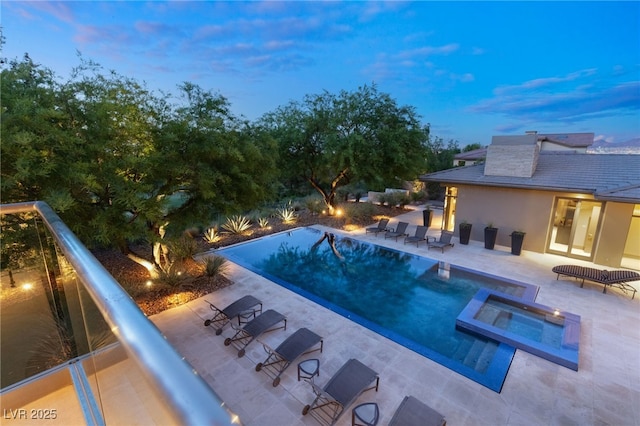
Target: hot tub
[538, 329]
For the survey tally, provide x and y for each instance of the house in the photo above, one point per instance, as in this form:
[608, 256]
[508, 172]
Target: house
[576, 142]
[470, 158]
[569, 202]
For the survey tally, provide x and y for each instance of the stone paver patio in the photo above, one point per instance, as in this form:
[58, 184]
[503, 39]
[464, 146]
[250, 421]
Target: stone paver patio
[605, 390]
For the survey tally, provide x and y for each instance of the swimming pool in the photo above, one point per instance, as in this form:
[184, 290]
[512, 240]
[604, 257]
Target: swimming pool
[410, 299]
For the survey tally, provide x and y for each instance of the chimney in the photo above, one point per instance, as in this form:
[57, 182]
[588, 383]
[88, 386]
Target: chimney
[512, 156]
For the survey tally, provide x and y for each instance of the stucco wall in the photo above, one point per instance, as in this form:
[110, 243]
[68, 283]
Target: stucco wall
[531, 212]
[509, 210]
[613, 233]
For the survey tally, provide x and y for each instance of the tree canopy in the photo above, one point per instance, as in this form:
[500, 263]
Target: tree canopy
[119, 163]
[330, 140]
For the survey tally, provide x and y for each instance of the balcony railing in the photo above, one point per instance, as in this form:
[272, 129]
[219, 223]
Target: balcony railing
[75, 346]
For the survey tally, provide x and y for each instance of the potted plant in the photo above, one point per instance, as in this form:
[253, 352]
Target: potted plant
[517, 238]
[465, 232]
[426, 216]
[490, 235]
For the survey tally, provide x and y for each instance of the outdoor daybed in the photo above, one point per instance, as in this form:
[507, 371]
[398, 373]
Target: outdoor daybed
[617, 279]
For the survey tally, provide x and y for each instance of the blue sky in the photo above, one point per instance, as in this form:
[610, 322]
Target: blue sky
[471, 69]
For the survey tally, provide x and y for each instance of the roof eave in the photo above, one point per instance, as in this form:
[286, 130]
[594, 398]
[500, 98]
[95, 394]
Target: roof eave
[510, 185]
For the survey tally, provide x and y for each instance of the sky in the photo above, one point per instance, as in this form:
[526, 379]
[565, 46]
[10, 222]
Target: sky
[471, 70]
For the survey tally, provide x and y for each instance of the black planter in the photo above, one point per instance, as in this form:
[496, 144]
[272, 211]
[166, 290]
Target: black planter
[517, 238]
[426, 217]
[490, 235]
[465, 233]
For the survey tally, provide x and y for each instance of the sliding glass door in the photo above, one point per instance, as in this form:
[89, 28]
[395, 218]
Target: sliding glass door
[574, 227]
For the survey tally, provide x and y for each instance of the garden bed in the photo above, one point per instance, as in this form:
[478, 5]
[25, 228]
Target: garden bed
[155, 297]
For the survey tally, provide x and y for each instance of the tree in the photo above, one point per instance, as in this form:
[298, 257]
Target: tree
[439, 157]
[120, 164]
[472, 147]
[331, 140]
[206, 162]
[32, 128]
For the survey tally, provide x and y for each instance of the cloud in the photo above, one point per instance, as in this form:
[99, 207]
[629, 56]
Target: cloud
[463, 78]
[542, 83]
[575, 97]
[508, 128]
[159, 29]
[100, 35]
[429, 51]
[373, 9]
[58, 9]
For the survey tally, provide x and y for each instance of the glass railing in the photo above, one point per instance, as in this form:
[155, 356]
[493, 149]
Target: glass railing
[75, 348]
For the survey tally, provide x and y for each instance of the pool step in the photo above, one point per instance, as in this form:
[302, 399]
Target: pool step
[488, 315]
[479, 355]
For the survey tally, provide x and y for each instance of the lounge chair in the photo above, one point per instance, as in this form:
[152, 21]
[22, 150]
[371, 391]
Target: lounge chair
[266, 321]
[244, 308]
[617, 279]
[413, 412]
[279, 359]
[443, 242]
[341, 391]
[400, 231]
[381, 227]
[419, 237]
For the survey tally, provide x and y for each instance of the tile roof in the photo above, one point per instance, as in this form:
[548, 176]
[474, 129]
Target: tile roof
[476, 154]
[614, 177]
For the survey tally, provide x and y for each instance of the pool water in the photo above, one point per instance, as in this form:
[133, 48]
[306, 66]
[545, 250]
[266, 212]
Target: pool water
[528, 324]
[410, 299]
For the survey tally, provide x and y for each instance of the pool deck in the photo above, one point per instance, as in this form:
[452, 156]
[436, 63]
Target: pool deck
[604, 391]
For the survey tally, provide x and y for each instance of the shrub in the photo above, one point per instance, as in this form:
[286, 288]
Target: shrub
[385, 198]
[237, 224]
[170, 276]
[419, 196]
[358, 211]
[402, 199]
[183, 248]
[214, 266]
[314, 204]
[393, 199]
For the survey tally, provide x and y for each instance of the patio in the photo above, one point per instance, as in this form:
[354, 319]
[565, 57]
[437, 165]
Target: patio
[605, 389]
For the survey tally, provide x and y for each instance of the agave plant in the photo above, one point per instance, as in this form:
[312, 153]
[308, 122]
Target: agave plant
[237, 224]
[286, 213]
[263, 222]
[211, 235]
